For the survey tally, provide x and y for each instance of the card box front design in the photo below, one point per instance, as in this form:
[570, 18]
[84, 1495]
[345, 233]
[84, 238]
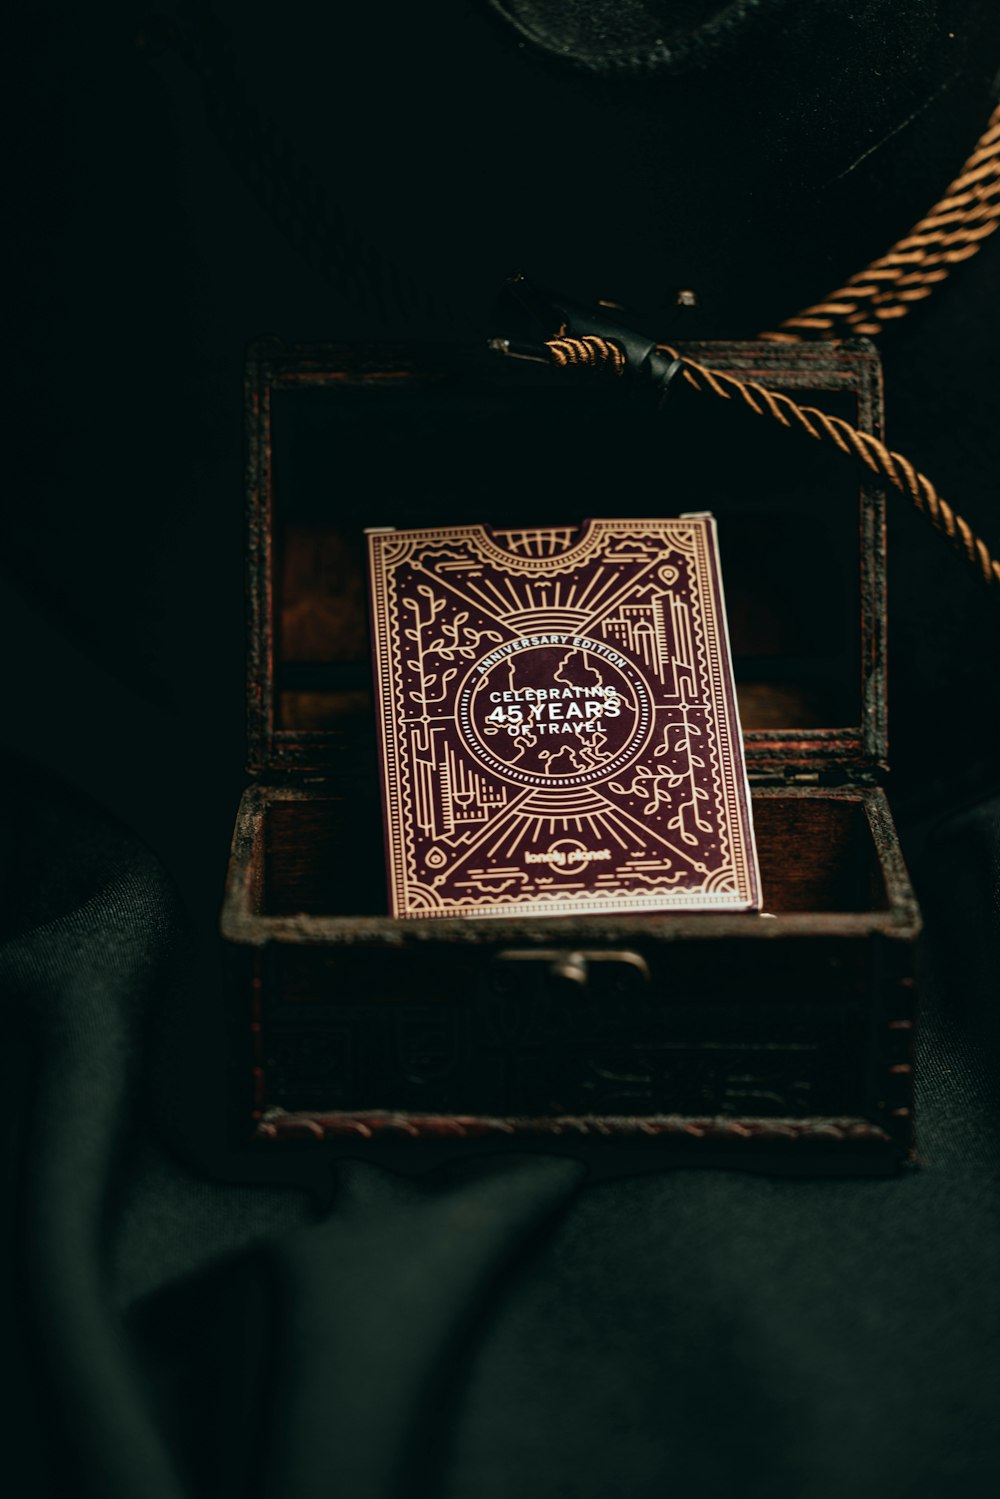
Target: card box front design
[558, 721]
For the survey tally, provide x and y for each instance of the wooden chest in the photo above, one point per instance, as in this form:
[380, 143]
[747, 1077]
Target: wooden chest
[780, 1038]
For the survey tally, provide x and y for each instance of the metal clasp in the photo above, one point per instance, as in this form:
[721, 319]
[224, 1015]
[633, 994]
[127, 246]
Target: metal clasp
[570, 967]
[536, 321]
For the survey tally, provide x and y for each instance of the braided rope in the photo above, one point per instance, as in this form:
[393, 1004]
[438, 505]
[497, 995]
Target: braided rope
[605, 354]
[875, 455]
[587, 351]
[951, 232]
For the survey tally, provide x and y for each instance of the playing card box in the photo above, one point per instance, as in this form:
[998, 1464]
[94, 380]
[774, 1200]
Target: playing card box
[557, 723]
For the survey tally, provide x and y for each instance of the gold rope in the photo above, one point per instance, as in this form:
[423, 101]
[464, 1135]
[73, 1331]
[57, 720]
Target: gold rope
[952, 231]
[589, 350]
[604, 353]
[874, 454]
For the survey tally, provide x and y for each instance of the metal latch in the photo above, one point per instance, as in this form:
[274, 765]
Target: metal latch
[570, 967]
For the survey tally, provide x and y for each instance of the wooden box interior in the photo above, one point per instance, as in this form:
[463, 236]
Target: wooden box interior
[816, 854]
[348, 439]
[790, 564]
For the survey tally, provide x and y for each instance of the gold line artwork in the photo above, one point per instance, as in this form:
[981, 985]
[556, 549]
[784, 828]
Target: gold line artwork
[557, 721]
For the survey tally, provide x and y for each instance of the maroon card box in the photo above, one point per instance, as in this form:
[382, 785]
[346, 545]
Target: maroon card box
[558, 723]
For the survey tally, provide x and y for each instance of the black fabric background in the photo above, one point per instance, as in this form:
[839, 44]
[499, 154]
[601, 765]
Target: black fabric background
[187, 1317]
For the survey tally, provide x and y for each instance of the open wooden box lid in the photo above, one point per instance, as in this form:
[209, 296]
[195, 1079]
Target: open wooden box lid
[346, 437]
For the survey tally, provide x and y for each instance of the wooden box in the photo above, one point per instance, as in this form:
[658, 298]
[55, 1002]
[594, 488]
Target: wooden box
[784, 1036]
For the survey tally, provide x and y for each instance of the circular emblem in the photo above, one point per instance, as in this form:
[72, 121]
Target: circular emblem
[544, 714]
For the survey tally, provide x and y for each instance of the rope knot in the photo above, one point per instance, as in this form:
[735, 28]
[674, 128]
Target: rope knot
[594, 352]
